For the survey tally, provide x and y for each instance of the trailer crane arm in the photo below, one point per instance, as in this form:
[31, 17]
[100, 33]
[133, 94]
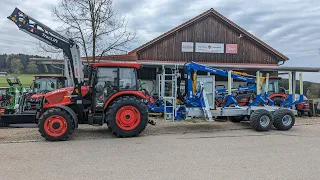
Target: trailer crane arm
[192, 68]
[73, 65]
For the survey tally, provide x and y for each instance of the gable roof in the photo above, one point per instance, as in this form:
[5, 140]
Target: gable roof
[223, 18]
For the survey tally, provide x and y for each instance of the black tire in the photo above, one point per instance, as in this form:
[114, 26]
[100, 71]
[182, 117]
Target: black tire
[113, 121]
[236, 119]
[261, 120]
[278, 119]
[56, 112]
[278, 100]
[299, 113]
[310, 114]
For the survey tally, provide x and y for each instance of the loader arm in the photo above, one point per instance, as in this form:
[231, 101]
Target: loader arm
[29, 25]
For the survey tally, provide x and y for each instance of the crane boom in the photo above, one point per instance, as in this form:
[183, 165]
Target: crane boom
[73, 64]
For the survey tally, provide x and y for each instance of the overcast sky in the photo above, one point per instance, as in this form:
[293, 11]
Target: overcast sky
[290, 26]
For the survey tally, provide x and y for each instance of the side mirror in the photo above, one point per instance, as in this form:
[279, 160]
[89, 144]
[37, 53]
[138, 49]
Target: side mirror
[52, 85]
[36, 85]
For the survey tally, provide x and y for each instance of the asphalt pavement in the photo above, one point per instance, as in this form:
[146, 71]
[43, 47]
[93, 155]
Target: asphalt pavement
[230, 154]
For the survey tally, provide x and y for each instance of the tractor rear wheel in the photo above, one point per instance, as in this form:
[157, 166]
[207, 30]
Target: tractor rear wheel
[261, 120]
[127, 117]
[56, 125]
[283, 119]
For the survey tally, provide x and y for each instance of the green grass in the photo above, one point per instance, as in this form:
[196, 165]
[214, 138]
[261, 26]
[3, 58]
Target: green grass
[25, 79]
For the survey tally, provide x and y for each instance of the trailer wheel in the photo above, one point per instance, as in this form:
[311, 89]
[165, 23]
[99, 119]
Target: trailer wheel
[261, 120]
[236, 119]
[283, 119]
[56, 125]
[127, 117]
[310, 114]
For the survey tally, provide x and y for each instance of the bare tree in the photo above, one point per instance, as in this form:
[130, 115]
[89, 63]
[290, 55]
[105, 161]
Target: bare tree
[94, 25]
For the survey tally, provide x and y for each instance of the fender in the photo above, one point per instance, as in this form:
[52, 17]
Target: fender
[121, 93]
[277, 95]
[71, 112]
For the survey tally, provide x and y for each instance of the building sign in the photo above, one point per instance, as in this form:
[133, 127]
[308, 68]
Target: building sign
[231, 48]
[187, 47]
[210, 47]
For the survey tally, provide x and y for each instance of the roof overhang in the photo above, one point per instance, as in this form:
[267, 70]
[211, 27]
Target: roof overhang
[235, 66]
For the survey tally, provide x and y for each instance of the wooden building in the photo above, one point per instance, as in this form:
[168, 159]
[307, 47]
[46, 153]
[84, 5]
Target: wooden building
[209, 27]
[209, 38]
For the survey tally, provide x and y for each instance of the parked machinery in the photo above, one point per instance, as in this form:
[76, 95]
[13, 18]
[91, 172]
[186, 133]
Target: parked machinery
[15, 92]
[40, 86]
[261, 116]
[123, 106]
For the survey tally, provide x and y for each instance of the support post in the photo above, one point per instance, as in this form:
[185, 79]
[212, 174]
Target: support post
[230, 98]
[258, 82]
[301, 83]
[294, 78]
[259, 98]
[157, 81]
[266, 91]
[229, 83]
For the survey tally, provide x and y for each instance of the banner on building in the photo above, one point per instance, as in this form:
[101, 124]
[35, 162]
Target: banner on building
[231, 48]
[210, 47]
[187, 46]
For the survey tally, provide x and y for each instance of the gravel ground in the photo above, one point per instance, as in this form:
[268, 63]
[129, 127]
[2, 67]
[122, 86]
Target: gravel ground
[11, 135]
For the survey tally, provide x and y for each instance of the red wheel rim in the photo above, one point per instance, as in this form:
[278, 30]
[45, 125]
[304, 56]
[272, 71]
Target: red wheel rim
[55, 126]
[128, 118]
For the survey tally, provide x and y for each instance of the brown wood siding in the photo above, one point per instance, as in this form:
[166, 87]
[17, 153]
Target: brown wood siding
[207, 30]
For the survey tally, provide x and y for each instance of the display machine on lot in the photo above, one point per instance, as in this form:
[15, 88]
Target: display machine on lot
[194, 102]
[111, 94]
[40, 86]
[114, 85]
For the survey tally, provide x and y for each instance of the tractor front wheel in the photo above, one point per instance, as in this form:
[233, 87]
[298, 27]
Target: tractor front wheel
[127, 117]
[56, 125]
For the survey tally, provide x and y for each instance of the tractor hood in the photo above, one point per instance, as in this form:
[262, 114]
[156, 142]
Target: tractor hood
[36, 96]
[61, 96]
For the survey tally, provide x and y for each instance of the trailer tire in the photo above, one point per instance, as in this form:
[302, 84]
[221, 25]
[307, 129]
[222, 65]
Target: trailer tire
[127, 117]
[283, 119]
[236, 119]
[310, 114]
[56, 125]
[261, 120]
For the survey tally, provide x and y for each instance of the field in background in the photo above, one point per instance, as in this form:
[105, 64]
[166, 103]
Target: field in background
[26, 79]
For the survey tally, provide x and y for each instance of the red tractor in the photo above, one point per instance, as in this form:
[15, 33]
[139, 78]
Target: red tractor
[40, 86]
[109, 96]
[279, 95]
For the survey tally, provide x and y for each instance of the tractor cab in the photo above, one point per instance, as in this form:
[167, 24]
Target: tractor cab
[111, 78]
[273, 87]
[44, 84]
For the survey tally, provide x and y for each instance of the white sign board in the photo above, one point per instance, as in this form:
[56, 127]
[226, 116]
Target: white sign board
[210, 47]
[187, 47]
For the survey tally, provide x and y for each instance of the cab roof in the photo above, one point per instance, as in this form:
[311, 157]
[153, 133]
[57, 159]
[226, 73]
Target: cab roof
[117, 64]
